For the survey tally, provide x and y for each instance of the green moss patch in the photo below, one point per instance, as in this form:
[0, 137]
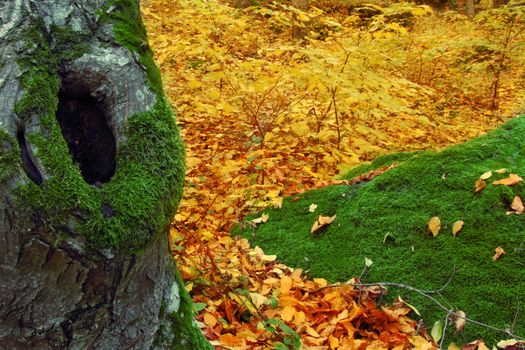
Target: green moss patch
[386, 219]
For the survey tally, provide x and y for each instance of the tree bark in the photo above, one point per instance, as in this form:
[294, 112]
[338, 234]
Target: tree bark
[91, 172]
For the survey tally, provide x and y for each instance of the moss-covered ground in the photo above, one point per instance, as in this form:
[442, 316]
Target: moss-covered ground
[399, 204]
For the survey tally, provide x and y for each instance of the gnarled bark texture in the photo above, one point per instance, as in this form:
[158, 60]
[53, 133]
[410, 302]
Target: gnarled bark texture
[91, 172]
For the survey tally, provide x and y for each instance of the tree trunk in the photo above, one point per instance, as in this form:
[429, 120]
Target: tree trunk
[470, 8]
[91, 172]
[299, 28]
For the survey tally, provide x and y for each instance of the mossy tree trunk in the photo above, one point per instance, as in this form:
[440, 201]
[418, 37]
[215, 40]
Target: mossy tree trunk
[91, 172]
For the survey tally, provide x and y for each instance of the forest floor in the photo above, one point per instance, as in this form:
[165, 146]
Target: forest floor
[264, 116]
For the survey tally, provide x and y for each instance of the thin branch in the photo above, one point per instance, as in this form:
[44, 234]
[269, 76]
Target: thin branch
[427, 295]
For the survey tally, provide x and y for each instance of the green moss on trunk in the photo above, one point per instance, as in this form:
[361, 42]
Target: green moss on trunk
[181, 332]
[147, 186]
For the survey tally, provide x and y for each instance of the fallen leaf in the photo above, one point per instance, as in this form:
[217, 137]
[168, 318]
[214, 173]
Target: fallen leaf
[434, 225]
[322, 221]
[288, 313]
[499, 252]
[517, 205]
[437, 331]
[460, 320]
[458, 225]
[486, 175]
[263, 218]
[501, 171]
[210, 320]
[312, 208]
[509, 181]
[511, 344]
[480, 185]
[453, 346]
[231, 340]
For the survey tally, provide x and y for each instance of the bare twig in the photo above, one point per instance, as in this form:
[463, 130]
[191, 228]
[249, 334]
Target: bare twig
[427, 295]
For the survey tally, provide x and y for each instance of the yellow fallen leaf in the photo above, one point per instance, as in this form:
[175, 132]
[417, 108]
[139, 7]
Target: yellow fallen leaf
[458, 225]
[501, 171]
[499, 252]
[312, 208]
[486, 175]
[322, 221]
[480, 185]
[288, 313]
[517, 205]
[509, 181]
[434, 225]
[286, 284]
[263, 218]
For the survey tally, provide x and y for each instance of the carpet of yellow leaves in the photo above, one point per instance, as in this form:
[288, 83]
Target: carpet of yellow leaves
[263, 117]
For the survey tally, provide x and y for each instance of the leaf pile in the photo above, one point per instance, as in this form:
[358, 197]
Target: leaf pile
[264, 117]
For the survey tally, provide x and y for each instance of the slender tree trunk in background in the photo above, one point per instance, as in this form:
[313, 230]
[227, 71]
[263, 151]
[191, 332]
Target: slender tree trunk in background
[299, 29]
[470, 9]
[91, 172]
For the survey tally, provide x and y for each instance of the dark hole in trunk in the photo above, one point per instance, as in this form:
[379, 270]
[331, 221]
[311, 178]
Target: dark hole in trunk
[27, 160]
[87, 133]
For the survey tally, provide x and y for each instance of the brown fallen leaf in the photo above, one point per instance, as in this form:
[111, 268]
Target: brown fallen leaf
[486, 175]
[460, 320]
[517, 205]
[509, 181]
[434, 225]
[499, 252]
[480, 185]
[458, 225]
[322, 221]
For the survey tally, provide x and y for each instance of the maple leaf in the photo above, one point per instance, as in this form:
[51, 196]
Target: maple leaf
[434, 225]
[322, 221]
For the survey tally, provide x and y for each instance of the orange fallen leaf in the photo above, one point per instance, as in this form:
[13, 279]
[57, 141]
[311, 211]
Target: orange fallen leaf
[499, 252]
[322, 221]
[501, 171]
[434, 225]
[231, 340]
[486, 175]
[458, 225]
[480, 185]
[210, 320]
[509, 181]
[517, 205]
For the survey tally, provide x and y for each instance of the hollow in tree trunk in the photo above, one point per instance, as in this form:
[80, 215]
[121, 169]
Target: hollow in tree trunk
[91, 172]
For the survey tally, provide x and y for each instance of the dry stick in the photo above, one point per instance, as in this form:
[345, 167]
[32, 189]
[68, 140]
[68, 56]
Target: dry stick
[426, 295]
